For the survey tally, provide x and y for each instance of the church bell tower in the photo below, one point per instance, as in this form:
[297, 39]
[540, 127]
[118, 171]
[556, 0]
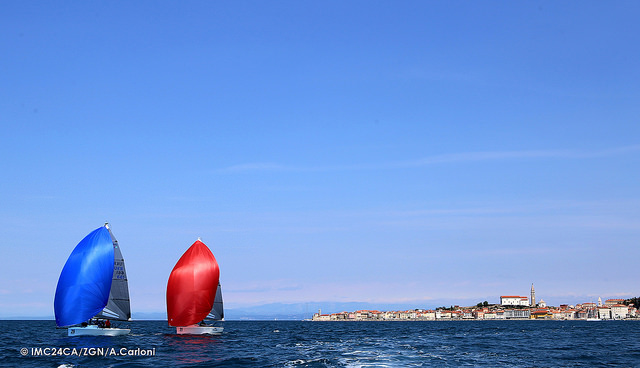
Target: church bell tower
[533, 296]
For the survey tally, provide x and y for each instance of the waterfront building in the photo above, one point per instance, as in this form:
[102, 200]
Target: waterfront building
[321, 317]
[490, 315]
[363, 314]
[541, 313]
[570, 314]
[517, 314]
[619, 311]
[428, 314]
[582, 314]
[444, 314]
[514, 300]
[610, 302]
[467, 314]
[604, 313]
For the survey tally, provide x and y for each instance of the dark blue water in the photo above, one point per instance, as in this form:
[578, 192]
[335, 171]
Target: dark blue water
[340, 344]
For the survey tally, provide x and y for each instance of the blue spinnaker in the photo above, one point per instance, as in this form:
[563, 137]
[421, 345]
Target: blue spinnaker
[85, 281]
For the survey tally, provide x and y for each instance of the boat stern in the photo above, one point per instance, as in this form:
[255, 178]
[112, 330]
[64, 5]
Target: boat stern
[93, 330]
[199, 330]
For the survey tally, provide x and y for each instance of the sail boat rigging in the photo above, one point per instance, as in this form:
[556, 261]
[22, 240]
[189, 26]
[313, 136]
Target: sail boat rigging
[217, 312]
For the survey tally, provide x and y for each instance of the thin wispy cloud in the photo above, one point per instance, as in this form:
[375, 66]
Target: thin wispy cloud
[484, 156]
[449, 158]
[260, 166]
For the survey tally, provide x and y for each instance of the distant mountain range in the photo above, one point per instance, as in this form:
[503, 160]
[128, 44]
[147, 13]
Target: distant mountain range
[279, 311]
[300, 311]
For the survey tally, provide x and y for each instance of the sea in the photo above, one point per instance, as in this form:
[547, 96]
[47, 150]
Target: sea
[526, 343]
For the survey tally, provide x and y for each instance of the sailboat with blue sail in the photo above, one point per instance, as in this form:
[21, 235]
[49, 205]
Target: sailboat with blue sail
[93, 288]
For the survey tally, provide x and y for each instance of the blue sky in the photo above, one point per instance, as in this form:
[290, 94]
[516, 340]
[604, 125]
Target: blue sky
[379, 152]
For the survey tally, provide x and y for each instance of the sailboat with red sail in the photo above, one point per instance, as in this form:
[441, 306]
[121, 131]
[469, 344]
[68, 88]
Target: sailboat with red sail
[194, 296]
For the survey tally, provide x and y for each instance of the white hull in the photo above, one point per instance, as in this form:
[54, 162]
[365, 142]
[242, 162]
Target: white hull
[199, 330]
[93, 330]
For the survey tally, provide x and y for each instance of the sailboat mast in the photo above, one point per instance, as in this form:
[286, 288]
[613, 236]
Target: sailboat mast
[119, 305]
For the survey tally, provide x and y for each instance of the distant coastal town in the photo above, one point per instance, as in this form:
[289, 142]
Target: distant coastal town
[511, 307]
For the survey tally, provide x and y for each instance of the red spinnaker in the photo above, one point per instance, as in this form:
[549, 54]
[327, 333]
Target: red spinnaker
[192, 286]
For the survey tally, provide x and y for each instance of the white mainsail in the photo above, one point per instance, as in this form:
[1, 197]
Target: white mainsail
[119, 306]
[217, 312]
